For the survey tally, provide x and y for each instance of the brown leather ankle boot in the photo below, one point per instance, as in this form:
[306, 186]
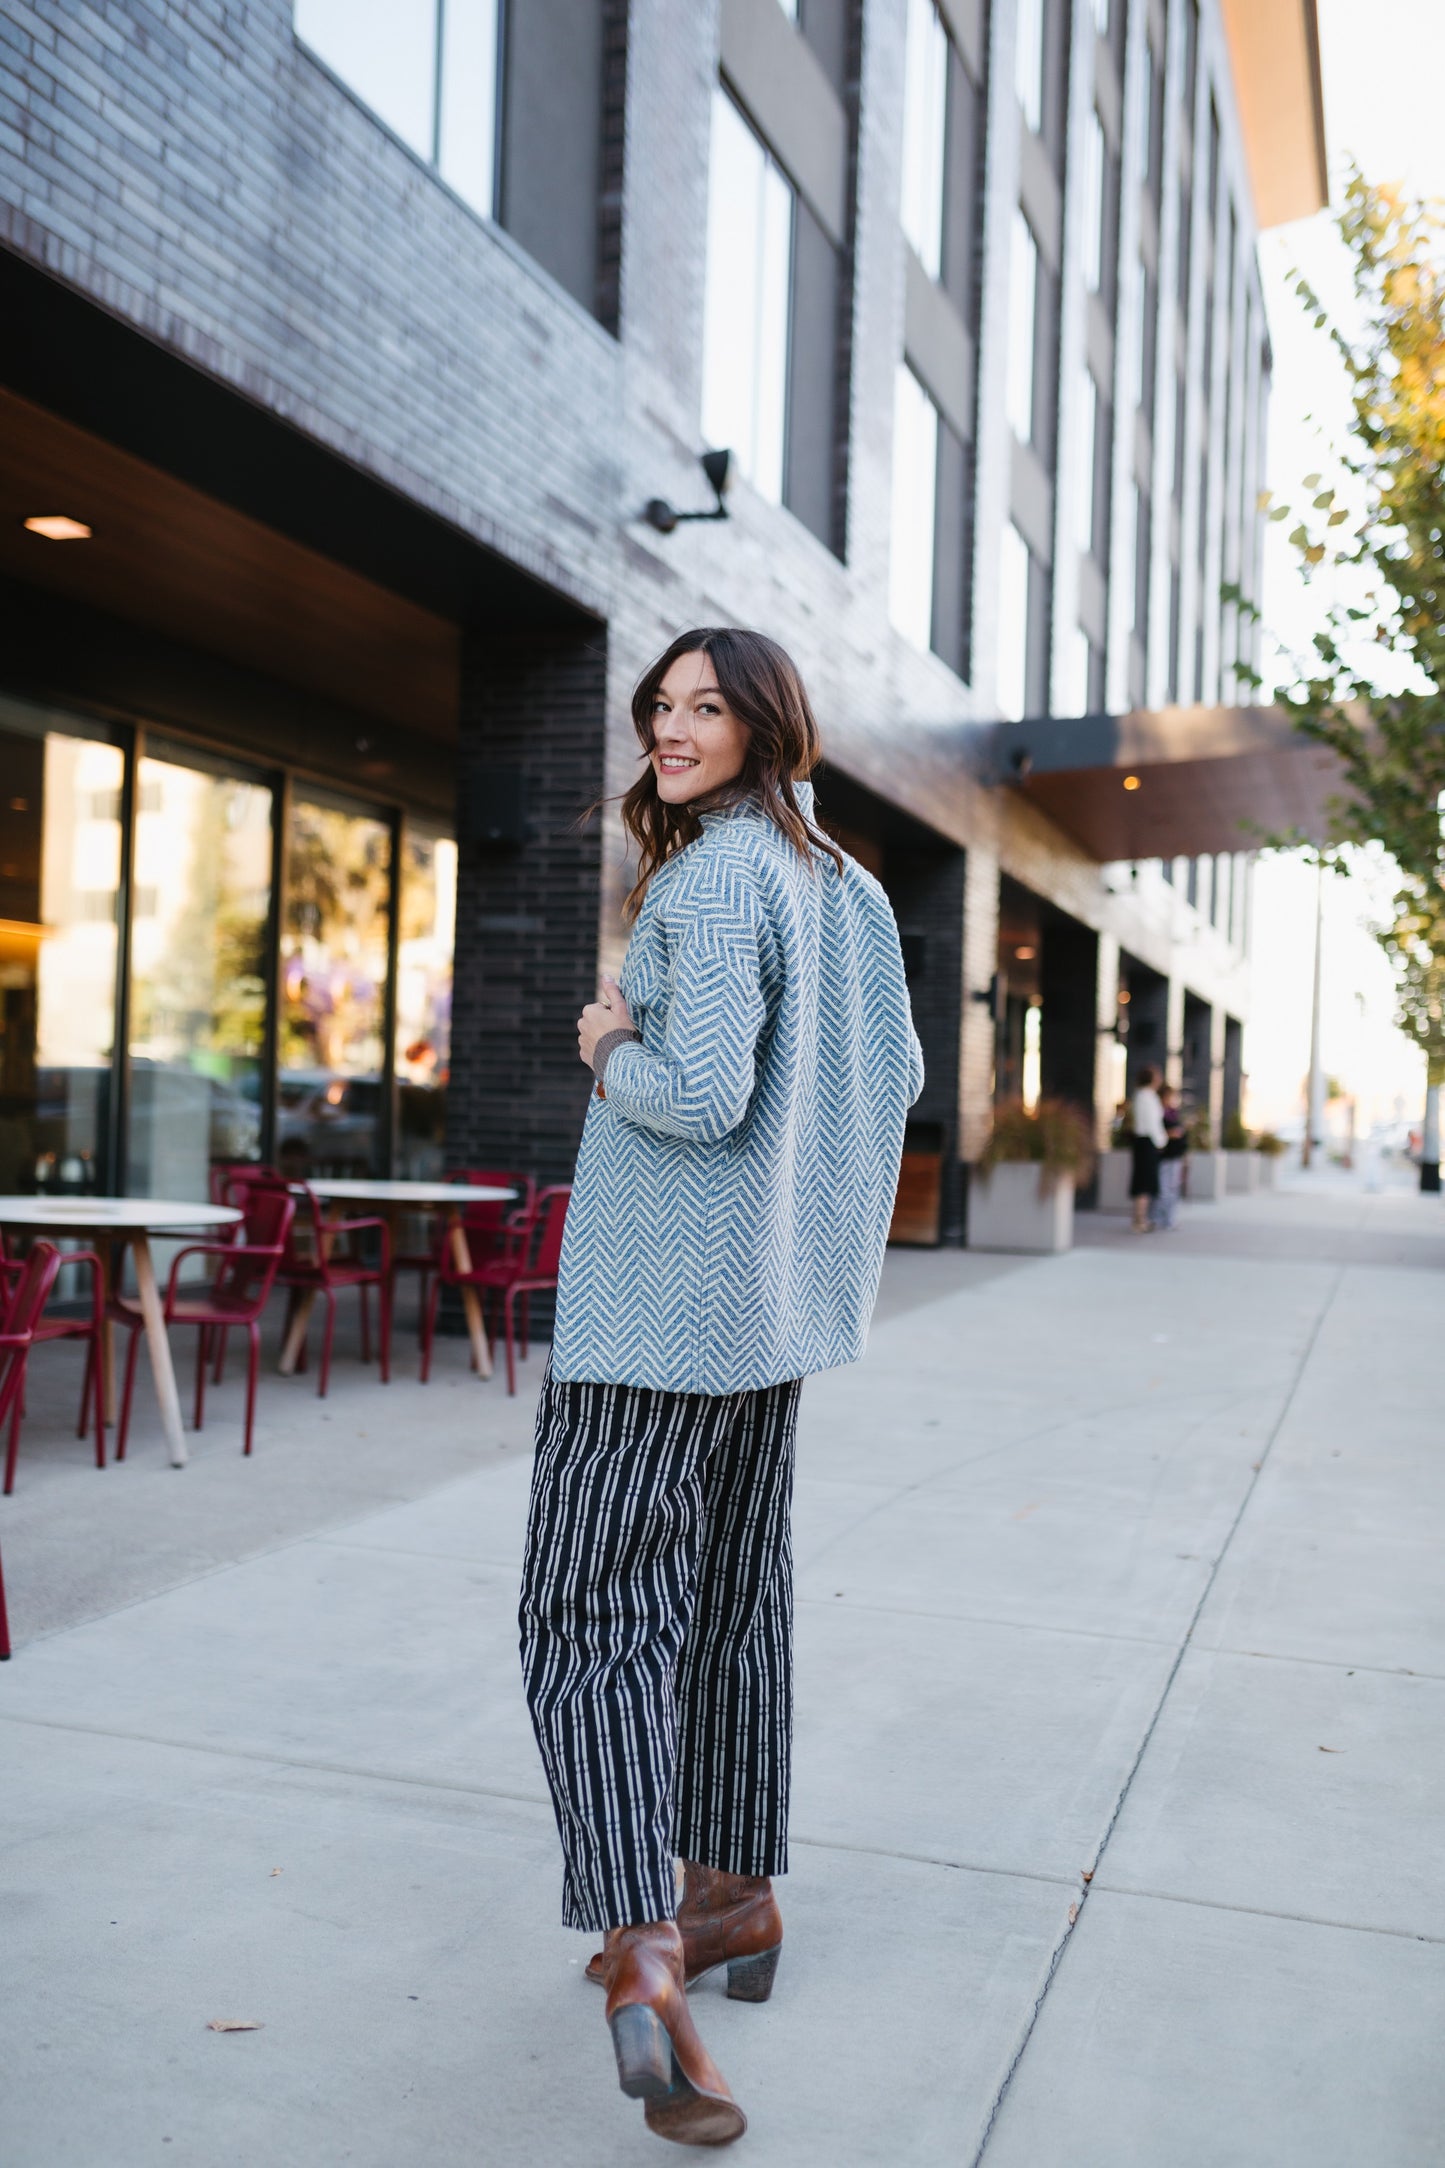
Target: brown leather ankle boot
[724, 1919]
[660, 2059]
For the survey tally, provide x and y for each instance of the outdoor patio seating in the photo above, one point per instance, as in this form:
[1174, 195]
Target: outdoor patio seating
[493, 1228]
[88, 1325]
[245, 1275]
[22, 1313]
[515, 1275]
[314, 1265]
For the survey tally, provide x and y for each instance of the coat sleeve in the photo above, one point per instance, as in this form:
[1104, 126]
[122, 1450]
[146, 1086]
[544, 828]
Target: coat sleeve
[699, 1084]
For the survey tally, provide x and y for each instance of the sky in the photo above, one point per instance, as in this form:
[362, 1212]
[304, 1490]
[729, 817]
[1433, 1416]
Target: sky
[1382, 65]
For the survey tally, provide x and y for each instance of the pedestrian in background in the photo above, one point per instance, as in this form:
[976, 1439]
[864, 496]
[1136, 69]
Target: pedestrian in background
[1150, 1138]
[1164, 1213]
[725, 1237]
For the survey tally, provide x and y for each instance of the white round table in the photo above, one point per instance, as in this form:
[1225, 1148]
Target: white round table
[391, 1199]
[110, 1223]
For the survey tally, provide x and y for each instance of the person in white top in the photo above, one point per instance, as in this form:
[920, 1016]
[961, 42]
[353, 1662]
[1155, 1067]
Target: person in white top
[1150, 1138]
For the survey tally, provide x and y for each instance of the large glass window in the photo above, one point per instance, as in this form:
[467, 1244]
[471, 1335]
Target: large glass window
[1029, 62]
[1086, 461]
[1023, 327]
[915, 484]
[425, 939]
[335, 937]
[428, 68]
[1091, 203]
[60, 859]
[745, 322]
[1013, 625]
[200, 930]
[925, 111]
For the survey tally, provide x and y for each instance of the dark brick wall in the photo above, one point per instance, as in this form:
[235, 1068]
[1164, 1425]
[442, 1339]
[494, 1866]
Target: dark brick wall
[531, 752]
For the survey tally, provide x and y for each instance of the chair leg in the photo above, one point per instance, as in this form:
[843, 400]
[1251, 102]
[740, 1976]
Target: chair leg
[92, 1379]
[16, 1412]
[429, 1325]
[511, 1343]
[82, 1421]
[526, 1323]
[4, 1625]
[365, 1293]
[203, 1357]
[326, 1337]
[253, 1358]
[123, 1433]
[383, 1297]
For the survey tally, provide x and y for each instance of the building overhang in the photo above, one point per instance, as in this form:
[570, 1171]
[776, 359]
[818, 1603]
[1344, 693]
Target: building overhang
[1170, 782]
[1274, 51]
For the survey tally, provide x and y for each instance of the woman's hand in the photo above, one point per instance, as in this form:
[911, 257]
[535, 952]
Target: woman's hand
[599, 1017]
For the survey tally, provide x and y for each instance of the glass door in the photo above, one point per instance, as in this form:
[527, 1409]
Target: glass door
[60, 859]
[200, 921]
[428, 916]
[331, 1115]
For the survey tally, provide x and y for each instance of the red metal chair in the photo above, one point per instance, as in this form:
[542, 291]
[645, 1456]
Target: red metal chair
[245, 1274]
[493, 1228]
[312, 1265]
[88, 1327]
[22, 1313]
[514, 1277]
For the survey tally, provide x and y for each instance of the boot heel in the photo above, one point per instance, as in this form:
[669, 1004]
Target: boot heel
[643, 2051]
[750, 1979]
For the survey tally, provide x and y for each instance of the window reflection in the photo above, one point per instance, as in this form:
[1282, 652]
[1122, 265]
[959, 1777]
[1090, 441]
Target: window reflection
[335, 934]
[424, 1000]
[1023, 327]
[749, 278]
[59, 878]
[925, 105]
[198, 976]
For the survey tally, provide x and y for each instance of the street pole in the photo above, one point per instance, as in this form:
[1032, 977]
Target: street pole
[1315, 1107]
[1430, 1141]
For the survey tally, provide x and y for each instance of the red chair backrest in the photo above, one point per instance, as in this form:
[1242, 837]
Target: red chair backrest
[552, 1218]
[226, 1172]
[33, 1291]
[269, 1211]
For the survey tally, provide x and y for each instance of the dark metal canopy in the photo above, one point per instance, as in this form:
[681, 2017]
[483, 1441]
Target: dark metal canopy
[1170, 782]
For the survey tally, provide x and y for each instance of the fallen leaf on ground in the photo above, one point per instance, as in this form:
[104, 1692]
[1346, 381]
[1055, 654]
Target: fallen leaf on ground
[1073, 1914]
[1088, 1874]
[234, 2024]
[1024, 1511]
[1332, 1750]
[275, 1871]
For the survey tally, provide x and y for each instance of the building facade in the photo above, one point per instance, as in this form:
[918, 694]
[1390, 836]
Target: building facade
[360, 340]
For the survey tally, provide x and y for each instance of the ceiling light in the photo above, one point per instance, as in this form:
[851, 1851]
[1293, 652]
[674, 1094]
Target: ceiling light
[1123, 997]
[1131, 782]
[1026, 955]
[57, 528]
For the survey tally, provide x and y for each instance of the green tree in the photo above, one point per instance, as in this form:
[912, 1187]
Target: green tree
[1378, 537]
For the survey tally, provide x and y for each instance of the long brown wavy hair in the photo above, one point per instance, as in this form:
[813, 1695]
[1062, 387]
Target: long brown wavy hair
[760, 683]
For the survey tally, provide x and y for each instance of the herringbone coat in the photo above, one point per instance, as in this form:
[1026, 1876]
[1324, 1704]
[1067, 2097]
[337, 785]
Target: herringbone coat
[734, 1188]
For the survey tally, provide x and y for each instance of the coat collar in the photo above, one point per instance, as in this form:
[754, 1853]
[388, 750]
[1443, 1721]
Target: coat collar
[749, 809]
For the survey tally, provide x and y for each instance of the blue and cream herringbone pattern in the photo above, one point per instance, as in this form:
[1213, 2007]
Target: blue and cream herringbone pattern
[734, 1189]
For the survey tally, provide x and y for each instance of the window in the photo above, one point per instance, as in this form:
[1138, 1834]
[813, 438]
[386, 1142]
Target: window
[1091, 202]
[333, 988]
[749, 280]
[426, 936]
[1023, 327]
[1029, 62]
[925, 109]
[1102, 12]
[1013, 625]
[1086, 462]
[915, 486]
[428, 70]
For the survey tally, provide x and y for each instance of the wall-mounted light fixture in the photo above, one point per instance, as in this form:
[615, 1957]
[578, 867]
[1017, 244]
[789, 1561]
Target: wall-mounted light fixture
[1131, 782]
[56, 527]
[718, 467]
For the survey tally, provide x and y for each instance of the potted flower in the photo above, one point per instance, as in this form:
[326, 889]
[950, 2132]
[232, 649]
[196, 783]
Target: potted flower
[1241, 1162]
[1022, 1193]
[1270, 1150]
[1205, 1173]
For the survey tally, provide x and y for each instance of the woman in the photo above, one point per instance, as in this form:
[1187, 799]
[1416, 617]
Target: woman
[1150, 1138]
[725, 1237]
[1164, 1212]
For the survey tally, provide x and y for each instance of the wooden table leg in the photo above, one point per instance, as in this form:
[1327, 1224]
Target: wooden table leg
[471, 1300]
[159, 1347]
[296, 1332]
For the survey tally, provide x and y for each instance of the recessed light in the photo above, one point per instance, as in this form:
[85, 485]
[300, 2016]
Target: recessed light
[1026, 955]
[1131, 782]
[57, 528]
[1123, 997]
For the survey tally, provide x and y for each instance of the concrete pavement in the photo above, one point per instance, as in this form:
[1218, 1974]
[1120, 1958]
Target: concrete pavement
[1123, 1564]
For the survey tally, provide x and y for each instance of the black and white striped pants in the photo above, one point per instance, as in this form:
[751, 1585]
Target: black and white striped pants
[657, 1636]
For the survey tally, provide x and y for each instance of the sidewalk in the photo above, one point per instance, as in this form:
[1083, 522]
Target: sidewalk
[1123, 1564]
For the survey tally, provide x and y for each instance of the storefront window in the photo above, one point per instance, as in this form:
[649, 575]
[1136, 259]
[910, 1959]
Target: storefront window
[60, 797]
[330, 1117]
[424, 1000]
[199, 925]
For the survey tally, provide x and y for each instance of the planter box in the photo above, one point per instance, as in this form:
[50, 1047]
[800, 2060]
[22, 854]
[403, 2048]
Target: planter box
[1241, 1173]
[1267, 1173]
[1206, 1182]
[1006, 1212]
[1115, 1167]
